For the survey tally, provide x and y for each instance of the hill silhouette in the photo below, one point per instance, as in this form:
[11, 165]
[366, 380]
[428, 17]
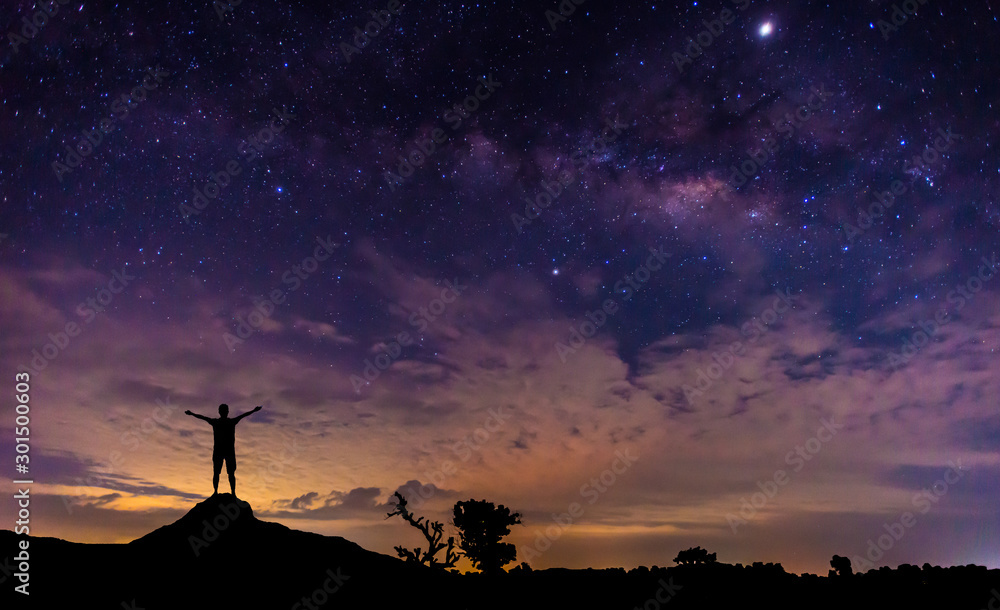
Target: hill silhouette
[219, 555]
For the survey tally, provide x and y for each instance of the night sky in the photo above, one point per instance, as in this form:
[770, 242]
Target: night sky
[647, 259]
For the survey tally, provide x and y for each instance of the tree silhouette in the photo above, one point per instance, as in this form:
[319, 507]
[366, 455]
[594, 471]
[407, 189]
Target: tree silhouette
[842, 565]
[694, 556]
[481, 526]
[433, 531]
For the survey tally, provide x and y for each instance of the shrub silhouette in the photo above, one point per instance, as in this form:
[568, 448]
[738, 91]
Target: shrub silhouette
[433, 531]
[694, 556]
[842, 565]
[481, 527]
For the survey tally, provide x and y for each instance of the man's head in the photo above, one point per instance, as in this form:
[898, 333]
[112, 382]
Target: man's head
[224, 410]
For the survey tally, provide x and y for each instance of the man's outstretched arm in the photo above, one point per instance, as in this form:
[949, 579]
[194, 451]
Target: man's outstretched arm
[239, 417]
[198, 416]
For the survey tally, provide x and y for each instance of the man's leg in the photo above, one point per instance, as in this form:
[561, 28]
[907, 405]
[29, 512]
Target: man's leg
[231, 469]
[217, 467]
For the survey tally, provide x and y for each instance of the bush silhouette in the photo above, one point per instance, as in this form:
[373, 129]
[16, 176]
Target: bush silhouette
[842, 565]
[433, 531]
[481, 527]
[694, 556]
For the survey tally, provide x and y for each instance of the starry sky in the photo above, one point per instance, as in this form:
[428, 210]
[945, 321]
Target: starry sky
[646, 259]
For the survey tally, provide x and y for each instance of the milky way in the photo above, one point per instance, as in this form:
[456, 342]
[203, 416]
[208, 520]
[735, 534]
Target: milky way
[480, 250]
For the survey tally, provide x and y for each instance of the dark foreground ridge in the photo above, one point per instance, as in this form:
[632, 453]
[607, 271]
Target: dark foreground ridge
[219, 555]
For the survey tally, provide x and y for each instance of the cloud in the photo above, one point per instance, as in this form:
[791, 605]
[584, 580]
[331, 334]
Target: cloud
[357, 502]
[320, 330]
[495, 349]
[304, 501]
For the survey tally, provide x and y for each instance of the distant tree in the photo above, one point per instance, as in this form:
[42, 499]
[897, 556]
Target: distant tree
[842, 565]
[481, 526]
[433, 531]
[694, 556]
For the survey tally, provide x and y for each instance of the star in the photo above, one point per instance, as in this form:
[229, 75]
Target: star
[411, 175]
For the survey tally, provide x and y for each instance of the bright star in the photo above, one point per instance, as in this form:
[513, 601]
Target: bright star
[766, 29]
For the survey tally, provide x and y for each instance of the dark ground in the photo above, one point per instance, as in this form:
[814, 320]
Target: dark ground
[247, 563]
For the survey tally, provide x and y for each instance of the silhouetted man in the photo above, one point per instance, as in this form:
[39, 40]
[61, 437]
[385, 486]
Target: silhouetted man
[225, 443]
